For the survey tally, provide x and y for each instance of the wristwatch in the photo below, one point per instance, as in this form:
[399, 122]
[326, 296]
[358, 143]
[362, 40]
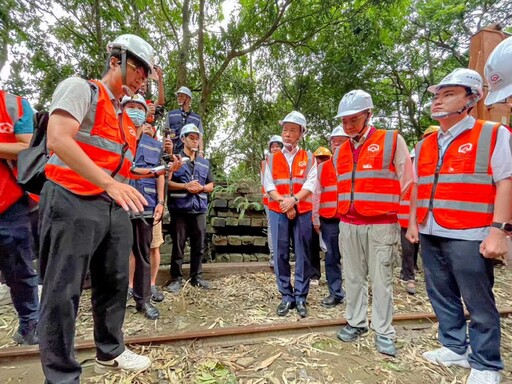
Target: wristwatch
[296, 200]
[507, 227]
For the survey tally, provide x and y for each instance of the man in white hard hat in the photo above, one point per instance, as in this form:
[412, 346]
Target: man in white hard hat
[498, 73]
[188, 203]
[374, 170]
[275, 144]
[460, 199]
[326, 220]
[290, 179]
[178, 118]
[83, 212]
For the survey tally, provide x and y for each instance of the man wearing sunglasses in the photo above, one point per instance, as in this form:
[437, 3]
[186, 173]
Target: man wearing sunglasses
[84, 209]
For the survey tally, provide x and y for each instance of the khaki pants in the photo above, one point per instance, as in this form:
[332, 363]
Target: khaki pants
[369, 249]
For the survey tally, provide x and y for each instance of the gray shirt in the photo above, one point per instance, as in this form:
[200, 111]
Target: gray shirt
[501, 164]
[73, 95]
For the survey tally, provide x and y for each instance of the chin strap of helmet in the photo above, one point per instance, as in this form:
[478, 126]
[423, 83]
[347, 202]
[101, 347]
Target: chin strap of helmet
[444, 115]
[365, 124]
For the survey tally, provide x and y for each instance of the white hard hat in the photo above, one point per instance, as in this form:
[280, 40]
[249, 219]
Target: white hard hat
[185, 91]
[276, 139]
[498, 72]
[139, 48]
[189, 128]
[353, 102]
[461, 77]
[338, 131]
[413, 152]
[295, 117]
[135, 99]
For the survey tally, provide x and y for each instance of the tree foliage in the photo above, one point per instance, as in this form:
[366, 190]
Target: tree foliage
[250, 62]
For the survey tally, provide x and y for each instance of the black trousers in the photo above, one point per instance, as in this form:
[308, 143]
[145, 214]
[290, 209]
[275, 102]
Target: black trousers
[142, 237]
[183, 226]
[77, 233]
[314, 256]
[409, 257]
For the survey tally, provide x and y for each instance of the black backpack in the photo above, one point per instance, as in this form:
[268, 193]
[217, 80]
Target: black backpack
[32, 161]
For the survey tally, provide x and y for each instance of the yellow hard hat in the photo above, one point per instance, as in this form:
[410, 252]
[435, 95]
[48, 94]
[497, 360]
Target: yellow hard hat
[431, 129]
[322, 151]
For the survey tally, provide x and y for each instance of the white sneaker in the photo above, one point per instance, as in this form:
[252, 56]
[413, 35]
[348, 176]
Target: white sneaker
[128, 360]
[5, 295]
[447, 357]
[483, 377]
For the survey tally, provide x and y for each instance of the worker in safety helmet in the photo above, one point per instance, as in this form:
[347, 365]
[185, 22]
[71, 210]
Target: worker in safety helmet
[178, 118]
[84, 209]
[498, 73]
[326, 221]
[290, 179]
[373, 170]
[275, 144]
[188, 203]
[460, 200]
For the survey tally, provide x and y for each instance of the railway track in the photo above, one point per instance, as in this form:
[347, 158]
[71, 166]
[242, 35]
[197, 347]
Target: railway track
[236, 334]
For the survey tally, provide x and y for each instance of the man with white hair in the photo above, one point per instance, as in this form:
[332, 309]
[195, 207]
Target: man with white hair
[290, 179]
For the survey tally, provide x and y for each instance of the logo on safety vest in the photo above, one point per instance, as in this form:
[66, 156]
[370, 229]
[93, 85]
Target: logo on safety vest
[132, 132]
[6, 128]
[465, 148]
[302, 163]
[373, 148]
[367, 166]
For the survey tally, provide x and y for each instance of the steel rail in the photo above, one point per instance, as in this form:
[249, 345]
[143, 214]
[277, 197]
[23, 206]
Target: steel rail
[233, 334]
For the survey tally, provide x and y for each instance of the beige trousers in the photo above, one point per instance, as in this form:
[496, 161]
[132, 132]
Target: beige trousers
[369, 249]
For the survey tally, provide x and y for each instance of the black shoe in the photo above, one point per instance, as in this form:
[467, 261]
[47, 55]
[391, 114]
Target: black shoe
[331, 301]
[301, 308]
[27, 335]
[200, 283]
[149, 310]
[284, 307]
[129, 295]
[174, 287]
[156, 295]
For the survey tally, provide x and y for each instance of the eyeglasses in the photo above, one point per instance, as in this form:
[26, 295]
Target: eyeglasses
[140, 69]
[352, 121]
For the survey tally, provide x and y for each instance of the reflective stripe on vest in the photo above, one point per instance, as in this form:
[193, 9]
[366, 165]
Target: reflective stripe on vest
[102, 140]
[11, 110]
[403, 212]
[372, 184]
[328, 190]
[460, 191]
[289, 182]
[148, 155]
[183, 200]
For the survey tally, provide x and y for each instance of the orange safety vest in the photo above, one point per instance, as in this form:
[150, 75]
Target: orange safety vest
[101, 138]
[11, 110]
[265, 195]
[403, 211]
[289, 182]
[460, 191]
[328, 190]
[372, 184]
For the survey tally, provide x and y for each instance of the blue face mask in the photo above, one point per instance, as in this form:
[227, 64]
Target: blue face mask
[138, 116]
